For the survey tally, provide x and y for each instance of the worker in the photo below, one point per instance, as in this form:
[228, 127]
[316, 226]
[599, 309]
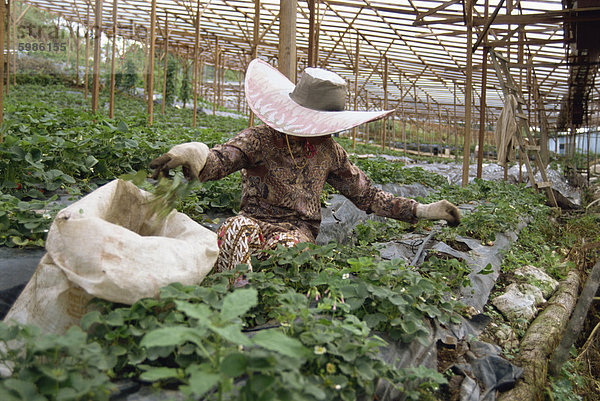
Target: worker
[286, 162]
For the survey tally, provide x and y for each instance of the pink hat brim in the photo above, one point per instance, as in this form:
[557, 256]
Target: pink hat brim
[267, 92]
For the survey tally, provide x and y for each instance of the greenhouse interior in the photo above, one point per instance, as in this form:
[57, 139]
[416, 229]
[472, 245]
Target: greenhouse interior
[299, 200]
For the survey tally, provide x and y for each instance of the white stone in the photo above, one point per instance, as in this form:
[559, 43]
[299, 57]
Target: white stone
[540, 279]
[515, 305]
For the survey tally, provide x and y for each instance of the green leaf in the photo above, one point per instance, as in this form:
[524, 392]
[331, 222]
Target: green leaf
[232, 333]
[234, 364]
[160, 373]
[197, 311]
[172, 336]
[238, 303]
[122, 127]
[201, 382]
[275, 340]
[25, 389]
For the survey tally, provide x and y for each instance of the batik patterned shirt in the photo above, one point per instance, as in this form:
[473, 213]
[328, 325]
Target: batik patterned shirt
[282, 185]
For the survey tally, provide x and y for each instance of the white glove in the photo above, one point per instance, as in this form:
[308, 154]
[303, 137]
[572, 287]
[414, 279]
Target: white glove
[191, 156]
[440, 210]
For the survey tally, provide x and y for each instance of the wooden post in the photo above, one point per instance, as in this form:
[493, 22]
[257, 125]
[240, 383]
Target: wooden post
[385, 102]
[417, 121]
[468, 100]
[439, 131]
[216, 77]
[356, 58]
[8, 27]
[112, 60]
[482, 106]
[287, 38]
[255, 38]
[3, 16]
[427, 126]
[97, 49]
[311, 38]
[166, 39]
[240, 74]
[196, 51]
[151, 63]
[87, 53]
[222, 72]
[367, 125]
[77, 57]
[14, 40]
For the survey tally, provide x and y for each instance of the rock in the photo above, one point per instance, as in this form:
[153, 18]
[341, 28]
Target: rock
[538, 278]
[514, 304]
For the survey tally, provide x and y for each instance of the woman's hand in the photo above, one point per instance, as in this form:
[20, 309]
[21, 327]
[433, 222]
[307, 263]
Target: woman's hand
[191, 156]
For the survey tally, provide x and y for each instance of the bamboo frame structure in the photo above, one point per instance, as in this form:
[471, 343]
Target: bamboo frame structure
[425, 45]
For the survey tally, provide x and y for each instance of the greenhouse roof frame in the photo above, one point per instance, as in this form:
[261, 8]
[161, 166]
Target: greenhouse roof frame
[424, 42]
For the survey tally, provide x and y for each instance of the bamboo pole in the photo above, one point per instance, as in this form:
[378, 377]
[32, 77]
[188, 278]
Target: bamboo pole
[166, 52]
[311, 35]
[468, 100]
[216, 77]
[385, 102]
[112, 60]
[417, 121]
[3, 16]
[87, 53]
[427, 126]
[8, 28]
[287, 38]
[439, 131]
[222, 72]
[151, 63]
[77, 58]
[196, 51]
[482, 106]
[97, 36]
[14, 39]
[255, 39]
[402, 113]
[356, 59]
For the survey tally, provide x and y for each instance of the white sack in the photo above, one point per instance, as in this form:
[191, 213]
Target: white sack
[106, 245]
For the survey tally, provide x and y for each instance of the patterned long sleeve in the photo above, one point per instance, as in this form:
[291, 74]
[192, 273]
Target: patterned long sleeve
[353, 183]
[234, 155]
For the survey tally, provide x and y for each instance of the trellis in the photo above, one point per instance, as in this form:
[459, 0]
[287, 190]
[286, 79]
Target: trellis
[425, 58]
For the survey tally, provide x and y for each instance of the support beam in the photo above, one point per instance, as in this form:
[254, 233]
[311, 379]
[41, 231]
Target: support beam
[356, 58]
[468, 89]
[311, 33]
[112, 60]
[3, 16]
[287, 38]
[196, 54]
[385, 102]
[7, 34]
[166, 64]
[96, 72]
[482, 107]
[151, 63]
[255, 38]
[216, 77]
[87, 53]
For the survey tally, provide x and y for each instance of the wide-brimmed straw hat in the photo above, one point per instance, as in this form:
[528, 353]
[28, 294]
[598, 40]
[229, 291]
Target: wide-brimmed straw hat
[313, 107]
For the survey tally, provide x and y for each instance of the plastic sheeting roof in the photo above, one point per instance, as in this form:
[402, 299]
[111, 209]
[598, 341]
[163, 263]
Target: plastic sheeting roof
[423, 40]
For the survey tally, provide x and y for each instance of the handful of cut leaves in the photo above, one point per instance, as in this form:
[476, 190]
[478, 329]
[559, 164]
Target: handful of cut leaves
[167, 193]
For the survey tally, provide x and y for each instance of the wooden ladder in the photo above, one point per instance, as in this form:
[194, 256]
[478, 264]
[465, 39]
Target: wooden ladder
[527, 144]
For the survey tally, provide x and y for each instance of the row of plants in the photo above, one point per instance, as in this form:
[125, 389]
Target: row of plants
[53, 148]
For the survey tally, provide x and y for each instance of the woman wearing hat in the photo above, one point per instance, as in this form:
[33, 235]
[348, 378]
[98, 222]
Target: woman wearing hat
[286, 162]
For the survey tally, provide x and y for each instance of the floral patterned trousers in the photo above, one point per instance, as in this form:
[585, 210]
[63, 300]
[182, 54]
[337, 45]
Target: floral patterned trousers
[241, 237]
